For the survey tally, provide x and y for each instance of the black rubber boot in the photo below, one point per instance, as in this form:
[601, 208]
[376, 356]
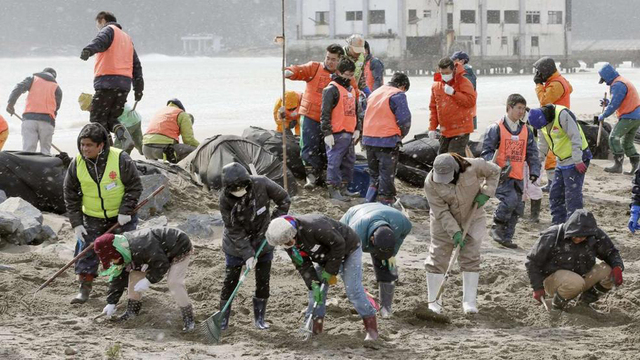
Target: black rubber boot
[592, 295]
[345, 192]
[133, 309]
[616, 168]
[558, 302]
[535, 210]
[547, 187]
[334, 193]
[84, 292]
[259, 310]
[635, 163]
[225, 318]
[386, 298]
[499, 234]
[187, 318]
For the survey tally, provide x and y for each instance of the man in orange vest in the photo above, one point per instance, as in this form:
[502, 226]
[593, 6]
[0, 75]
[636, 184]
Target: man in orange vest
[4, 131]
[340, 123]
[39, 117]
[161, 141]
[551, 88]
[625, 102]
[291, 115]
[373, 69]
[117, 67]
[511, 143]
[387, 121]
[317, 76]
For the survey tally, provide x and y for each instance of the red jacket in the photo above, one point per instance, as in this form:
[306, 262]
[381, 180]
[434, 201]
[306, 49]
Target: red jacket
[453, 113]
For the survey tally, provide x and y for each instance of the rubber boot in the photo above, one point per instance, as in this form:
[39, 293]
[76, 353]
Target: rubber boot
[386, 200]
[317, 325]
[470, 292]
[225, 318]
[547, 187]
[259, 310]
[372, 193]
[133, 309]
[311, 181]
[386, 290]
[345, 192]
[559, 302]
[434, 281]
[187, 318]
[126, 142]
[616, 168]
[371, 327]
[499, 234]
[635, 163]
[334, 193]
[535, 210]
[86, 284]
[592, 295]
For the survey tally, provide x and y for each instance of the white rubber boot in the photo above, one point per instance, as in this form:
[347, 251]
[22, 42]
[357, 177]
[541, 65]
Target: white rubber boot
[434, 281]
[469, 292]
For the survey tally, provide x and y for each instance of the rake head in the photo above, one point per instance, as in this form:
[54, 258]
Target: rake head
[210, 328]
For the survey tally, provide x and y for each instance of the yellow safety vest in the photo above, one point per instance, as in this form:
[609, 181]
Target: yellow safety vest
[559, 143]
[101, 200]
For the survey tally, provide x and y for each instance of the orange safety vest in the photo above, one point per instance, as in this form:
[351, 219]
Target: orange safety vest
[631, 100]
[3, 124]
[368, 75]
[565, 99]
[379, 120]
[165, 122]
[42, 97]
[118, 58]
[311, 102]
[512, 148]
[343, 116]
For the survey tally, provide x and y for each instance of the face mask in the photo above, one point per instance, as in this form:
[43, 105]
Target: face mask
[239, 193]
[447, 77]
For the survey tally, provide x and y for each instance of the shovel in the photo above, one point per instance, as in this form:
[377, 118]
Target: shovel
[306, 331]
[211, 328]
[600, 122]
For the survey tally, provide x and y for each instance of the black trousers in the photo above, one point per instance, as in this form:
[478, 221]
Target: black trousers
[106, 106]
[456, 144]
[232, 276]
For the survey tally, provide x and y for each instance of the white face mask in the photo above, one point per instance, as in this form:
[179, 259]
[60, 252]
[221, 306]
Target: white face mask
[447, 77]
[239, 193]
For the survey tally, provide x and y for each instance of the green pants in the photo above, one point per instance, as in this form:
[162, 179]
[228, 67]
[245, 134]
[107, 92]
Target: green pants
[622, 136]
[136, 134]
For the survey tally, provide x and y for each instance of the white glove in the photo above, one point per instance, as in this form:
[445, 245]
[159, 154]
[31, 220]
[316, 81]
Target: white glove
[142, 285]
[329, 141]
[288, 73]
[109, 310]
[448, 89]
[123, 219]
[249, 263]
[356, 136]
[433, 134]
[80, 232]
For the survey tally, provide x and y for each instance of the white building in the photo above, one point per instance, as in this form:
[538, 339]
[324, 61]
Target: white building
[487, 29]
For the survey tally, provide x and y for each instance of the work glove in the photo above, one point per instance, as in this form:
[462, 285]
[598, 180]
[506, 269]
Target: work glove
[481, 199]
[109, 310]
[366, 91]
[390, 263]
[281, 113]
[288, 73]
[601, 118]
[142, 285]
[85, 54]
[604, 102]
[448, 89]
[533, 178]
[249, 263]
[538, 295]
[317, 293]
[433, 134]
[10, 109]
[581, 167]
[537, 78]
[616, 275]
[329, 141]
[633, 220]
[123, 219]
[356, 137]
[80, 232]
[329, 278]
[137, 96]
[458, 240]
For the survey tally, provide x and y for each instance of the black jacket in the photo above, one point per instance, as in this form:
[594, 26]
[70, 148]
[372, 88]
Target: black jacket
[246, 219]
[635, 190]
[128, 174]
[330, 98]
[157, 248]
[555, 250]
[101, 43]
[24, 86]
[322, 240]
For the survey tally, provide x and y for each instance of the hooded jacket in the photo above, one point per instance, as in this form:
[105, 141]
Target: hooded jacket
[24, 86]
[555, 250]
[323, 241]
[246, 219]
[128, 175]
[618, 93]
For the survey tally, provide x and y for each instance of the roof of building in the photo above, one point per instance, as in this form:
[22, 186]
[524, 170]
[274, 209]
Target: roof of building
[605, 45]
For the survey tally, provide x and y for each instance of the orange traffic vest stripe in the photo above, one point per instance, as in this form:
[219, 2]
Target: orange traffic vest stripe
[565, 99]
[512, 148]
[165, 122]
[631, 100]
[42, 97]
[312, 98]
[118, 58]
[379, 120]
[368, 75]
[343, 116]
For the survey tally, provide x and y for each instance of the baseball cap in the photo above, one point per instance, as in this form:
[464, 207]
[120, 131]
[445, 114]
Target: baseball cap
[356, 41]
[444, 167]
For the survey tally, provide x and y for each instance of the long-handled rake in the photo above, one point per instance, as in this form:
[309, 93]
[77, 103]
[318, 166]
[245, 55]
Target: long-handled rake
[307, 330]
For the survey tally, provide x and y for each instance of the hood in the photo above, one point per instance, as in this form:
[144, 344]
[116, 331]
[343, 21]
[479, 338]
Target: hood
[608, 73]
[45, 76]
[580, 223]
[292, 99]
[96, 127]
[235, 175]
[546, 66]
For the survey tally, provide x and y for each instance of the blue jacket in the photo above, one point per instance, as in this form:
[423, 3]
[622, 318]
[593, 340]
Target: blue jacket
[470, 74]
[364, 219]
[400, 108]
[377, 69]
[100, 44]
[618, 93]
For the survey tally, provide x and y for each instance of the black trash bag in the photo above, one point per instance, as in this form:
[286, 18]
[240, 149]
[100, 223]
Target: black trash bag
[591, 133]
[36, 178]
[476, 146]
[416, 159]
[272, 141]
[205, 163]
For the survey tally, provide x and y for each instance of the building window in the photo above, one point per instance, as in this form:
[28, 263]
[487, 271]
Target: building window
[322, 17]
[493, 16]
[467, 16]
[488, 40]
[426, 13]
[511, 17]
[504, 41]
[449, 21]
[354, 15]
[413, 15]
[534, 41]
[533, 17]
[376, 16]
[555, 17]
[477, 40]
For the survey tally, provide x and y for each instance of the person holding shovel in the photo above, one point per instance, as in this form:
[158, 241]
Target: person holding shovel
[335, 249]
[512, 145]
[102, 186]
[245, 201]
[454, 188]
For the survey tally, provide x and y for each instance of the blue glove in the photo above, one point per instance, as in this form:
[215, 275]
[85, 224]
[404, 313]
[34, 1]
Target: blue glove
[366, 91]
[633, 219]
[601, 117]
[604, 102]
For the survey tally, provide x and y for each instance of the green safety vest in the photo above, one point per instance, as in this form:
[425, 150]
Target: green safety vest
[359, 67]
[101, 200]
[559, 143]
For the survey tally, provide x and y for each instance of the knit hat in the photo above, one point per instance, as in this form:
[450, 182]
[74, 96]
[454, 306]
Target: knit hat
[103, 246]
[51, 71]
[85, 101]
[537, 118]
[384, 243]
[281, 230]
[177, 103]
